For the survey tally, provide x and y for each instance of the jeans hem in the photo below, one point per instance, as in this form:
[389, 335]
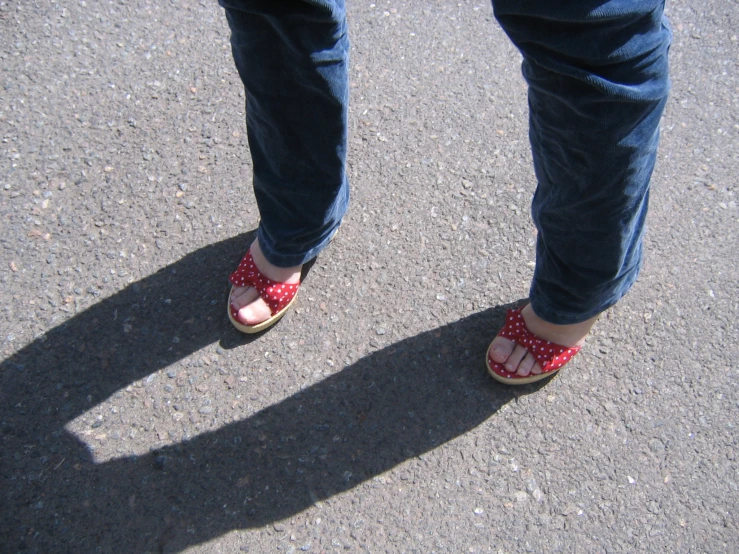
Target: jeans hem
[548, 313]
[556, 317]
[292, 260]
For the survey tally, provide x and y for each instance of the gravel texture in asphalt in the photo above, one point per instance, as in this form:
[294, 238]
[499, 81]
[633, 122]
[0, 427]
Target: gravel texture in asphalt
[134, 418]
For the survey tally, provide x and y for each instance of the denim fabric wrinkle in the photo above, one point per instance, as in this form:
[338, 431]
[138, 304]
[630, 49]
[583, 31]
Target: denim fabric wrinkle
[598, 81]
[292, 57]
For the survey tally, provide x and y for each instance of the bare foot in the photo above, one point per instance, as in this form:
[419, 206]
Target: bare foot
[251, 308]
[516, 359]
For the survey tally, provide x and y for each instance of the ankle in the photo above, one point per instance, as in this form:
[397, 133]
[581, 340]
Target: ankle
[565, 335]
[271, 271]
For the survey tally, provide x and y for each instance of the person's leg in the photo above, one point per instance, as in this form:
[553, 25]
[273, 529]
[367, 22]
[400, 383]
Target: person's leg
[292, 57]
[598, 83]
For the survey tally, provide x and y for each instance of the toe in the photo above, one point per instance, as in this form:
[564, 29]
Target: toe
[242, 296]
[250, 307]
[254, 313]
[518, 354]
[525, 368]
[501, 349]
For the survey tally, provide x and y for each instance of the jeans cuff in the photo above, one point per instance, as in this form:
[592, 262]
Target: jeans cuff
[291, 260]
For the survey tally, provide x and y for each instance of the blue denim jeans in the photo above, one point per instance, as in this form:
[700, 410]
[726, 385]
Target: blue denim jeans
[598, 83]
[293, 58]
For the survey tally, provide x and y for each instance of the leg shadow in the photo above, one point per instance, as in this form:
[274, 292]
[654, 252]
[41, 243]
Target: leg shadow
[390, 406]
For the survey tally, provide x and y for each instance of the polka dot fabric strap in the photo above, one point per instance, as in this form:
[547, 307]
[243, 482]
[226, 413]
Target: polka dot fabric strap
[551, 356]
[276, 295]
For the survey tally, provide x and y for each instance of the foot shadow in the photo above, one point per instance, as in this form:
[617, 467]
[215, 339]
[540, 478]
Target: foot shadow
[384, 409]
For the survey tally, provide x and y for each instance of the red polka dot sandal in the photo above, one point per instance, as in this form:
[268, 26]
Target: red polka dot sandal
[278, 296]
[551, 356]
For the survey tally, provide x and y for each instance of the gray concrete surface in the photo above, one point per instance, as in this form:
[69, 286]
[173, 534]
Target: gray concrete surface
[134, 418]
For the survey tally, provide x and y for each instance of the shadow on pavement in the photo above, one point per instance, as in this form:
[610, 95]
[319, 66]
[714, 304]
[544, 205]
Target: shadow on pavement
[390, 406]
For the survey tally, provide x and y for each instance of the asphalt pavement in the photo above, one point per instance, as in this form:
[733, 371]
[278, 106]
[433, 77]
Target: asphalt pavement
[134, 418]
